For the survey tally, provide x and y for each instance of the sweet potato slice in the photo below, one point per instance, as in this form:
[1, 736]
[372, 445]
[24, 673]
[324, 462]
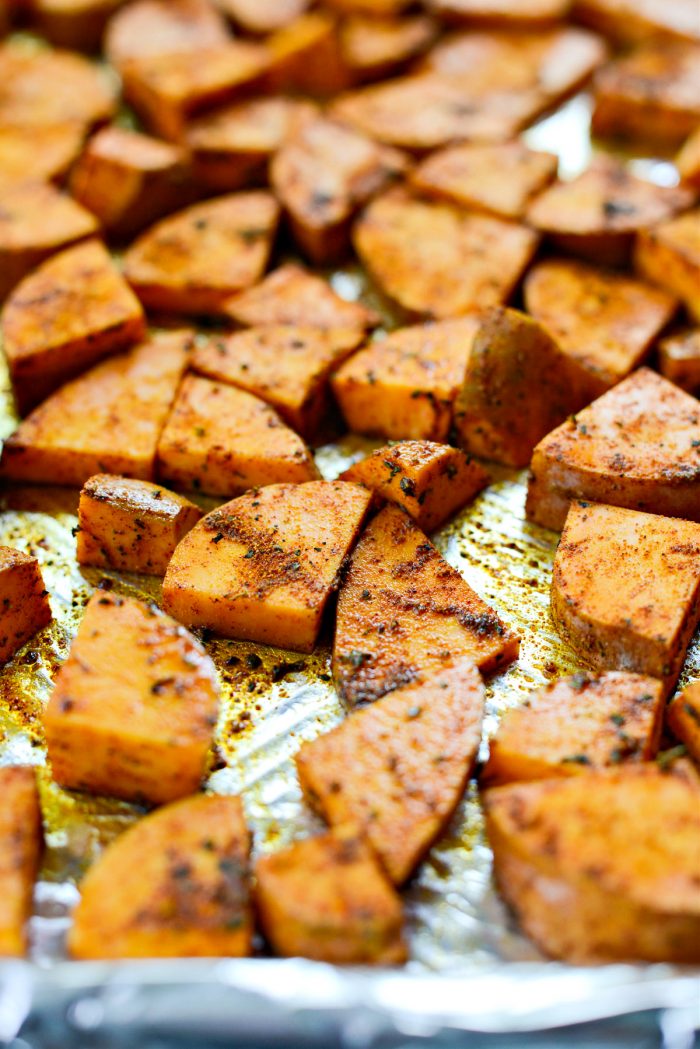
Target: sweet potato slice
[292, 295]
[232, 146]
[404, 614]
[592, 844]
[683, 718]
[150, 28]
[597, 214]
[24, 603]
[669, 255]
[499, 179]
[374, 47]
[191, 262]
[430, 481]
[131, 525]
[67, 314]
[506, 14]
[31, 154]
[305, 56]
[20, 849]
[263, 566]
[605, 321]
[322, 175]
[129, 180]
[75, 24]
[262, 16]
[175, 884]
[222, 441]
[576, 724]
[437, 260]
[688, 161]
[326, 898]
[286, 366]
[631, 22]
[134, 706]
[109, 419]
[625, 588]
[636, 446]
[397, 769]
[679, 358]
[518, 386]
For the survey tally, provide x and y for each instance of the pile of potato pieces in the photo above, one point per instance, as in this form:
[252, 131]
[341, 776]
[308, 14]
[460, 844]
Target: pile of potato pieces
[266, 125]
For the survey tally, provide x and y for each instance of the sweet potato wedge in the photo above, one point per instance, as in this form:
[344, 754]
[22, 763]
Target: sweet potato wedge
[605, 321]
[688, 161]
[75, 24]
[24, 602]
[505, 14]
[631, 22]
[597, 214]
[134, 706]
[625, 589]
[174, 885]
[191, 262]
[668, 254]
[679, 358]
[109, 419]
[404, 614]
[131, 525]
[292, 295]
[305, 56]
[436, 260]
[288, 367]
[396, 770]
[322, 175]
[221, 440]
[326, 898]
[38, 154]
[576, 724]
[71, 311]
[375, 47]
[150, 28]
[262, 16]
[636, 446]
[518, 386]
[263, 566]
[683, 719]
[404, 386]
[592, 844]
[20, 850]
[430, 481]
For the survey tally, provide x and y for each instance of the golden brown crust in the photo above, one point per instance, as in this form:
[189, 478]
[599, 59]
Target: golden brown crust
[20, 852]
[24, 601]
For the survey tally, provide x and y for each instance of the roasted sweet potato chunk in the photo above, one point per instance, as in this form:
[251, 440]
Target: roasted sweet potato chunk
[109, 419]
[605, 321]
[326, 898]
[191, 262]
[35, 154]
[631, 22]
[24, 603]
[688, 161]
[263, 566]
[397, 769]
[509, 14]
[636, 446]
[404, 386]
[305, 56]
[437, 260]
[222, 441]
[131, 525]
[597, 214]
[374, 47]
[322, 175]
[134, 706]
[288, 367]
[20, 849]
[679, 358]
[404, 613]
[430, 481]
[150, 28]
[175, 884]
[76, 24]
[376, 8]
[683, 716]
[625, 588]
[262, 16]
[669, 255]
[592, 843]
[64, 316]
[575, 724]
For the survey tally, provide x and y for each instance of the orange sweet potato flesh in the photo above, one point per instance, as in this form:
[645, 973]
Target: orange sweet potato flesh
[688, 161]
[679, 358]
[404, 613]
[625, 589]
[576, 724]
[20, 850]
[263, 566]
[24, 603]
[604, 320]
[683, 719]
[396, 770]
[508, 14]
[629, 22]
[109, 419]
[263, 16]
[592, 843]
[131, 525]
[191, 262]
[76, 24]
[636, 446]
[305, 56]
[67, 314]
[134, 706]
[42, 88]
[404, 386]
[669, 255]
[30, 154]
[174, 885]
[222, 440]
[376, 47]
[429, 481]
[163, 27]
[326, 898]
